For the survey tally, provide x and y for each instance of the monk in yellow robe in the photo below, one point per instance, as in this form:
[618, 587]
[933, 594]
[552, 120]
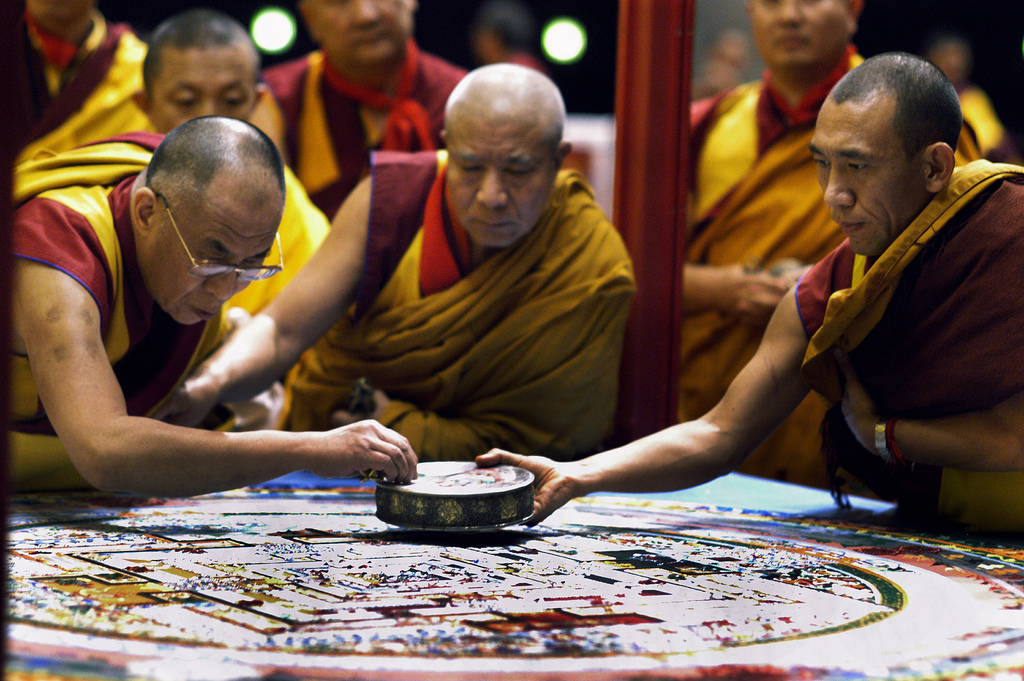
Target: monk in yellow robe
[913, 325]
[81, 75]
[758, 220]
[481, 293]
[116, 299]
[329, 109]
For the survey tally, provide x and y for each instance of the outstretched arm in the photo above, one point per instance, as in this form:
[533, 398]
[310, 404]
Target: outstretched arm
[57, 325]
[263, 350]
[767, 389]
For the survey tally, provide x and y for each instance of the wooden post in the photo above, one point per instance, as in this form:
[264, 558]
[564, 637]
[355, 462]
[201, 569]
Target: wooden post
[652, 101]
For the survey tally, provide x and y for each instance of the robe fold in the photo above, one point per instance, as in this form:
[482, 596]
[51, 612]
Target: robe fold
[933, 327]
[74, 216]
[522, 352]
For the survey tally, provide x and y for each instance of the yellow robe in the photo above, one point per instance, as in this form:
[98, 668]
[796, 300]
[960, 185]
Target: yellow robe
[980, 500]
[774, 211]
[81, 180]
[522, 353]
[109, 109]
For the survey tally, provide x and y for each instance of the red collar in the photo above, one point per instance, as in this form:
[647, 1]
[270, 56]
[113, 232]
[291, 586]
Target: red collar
[807, 108]
[56, 50]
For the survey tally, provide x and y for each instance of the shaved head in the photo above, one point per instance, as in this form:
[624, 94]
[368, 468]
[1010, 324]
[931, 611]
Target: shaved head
[502, 93]
[196, 152]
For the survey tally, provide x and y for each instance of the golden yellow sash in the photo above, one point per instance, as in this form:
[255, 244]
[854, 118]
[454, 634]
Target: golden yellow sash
[851, 313]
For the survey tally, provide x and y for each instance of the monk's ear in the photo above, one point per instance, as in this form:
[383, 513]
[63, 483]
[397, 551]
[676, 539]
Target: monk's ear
[143, 203]
[142, 100]
[939, 163]
[564, 148]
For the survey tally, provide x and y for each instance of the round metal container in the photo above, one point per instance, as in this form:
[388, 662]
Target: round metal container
[457, 495]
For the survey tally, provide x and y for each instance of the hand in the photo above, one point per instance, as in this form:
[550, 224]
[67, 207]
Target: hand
[552, 488]
[197, 396]
[753, 296]
[343, 417]
[366, 445]
[859, 409]
[189, 404]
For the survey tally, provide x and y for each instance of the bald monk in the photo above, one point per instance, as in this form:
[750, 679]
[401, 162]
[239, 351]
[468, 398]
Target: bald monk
[482, 293]
[202, 62]
[125, 252]
[81, 73]
[368, 86]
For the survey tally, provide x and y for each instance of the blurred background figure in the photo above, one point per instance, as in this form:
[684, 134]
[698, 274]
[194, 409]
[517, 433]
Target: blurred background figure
[505, 31]
[952, 53]
[725, 65]
[367, 87]
[81, 75]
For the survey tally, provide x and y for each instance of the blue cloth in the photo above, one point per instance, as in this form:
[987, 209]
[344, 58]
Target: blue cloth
[729, 491]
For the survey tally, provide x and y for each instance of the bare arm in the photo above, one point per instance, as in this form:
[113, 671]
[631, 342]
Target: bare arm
[263, 350]
[750, 297]
[986, 440]
[688, 454]
[56, 323]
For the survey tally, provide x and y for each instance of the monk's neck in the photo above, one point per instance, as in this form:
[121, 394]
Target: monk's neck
[380, 77]
[793, 85]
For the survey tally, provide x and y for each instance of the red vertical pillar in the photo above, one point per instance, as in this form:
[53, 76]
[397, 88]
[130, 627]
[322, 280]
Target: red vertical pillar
[652, 100]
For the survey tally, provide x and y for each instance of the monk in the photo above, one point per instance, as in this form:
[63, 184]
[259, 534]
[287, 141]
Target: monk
[81, 75]
[481, 294]
[912, 328]
[202, 62]
[757, 219]
[367, 87]
[125, 253]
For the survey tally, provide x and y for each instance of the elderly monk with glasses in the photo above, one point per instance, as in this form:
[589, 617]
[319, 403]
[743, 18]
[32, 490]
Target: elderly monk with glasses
[117, 299]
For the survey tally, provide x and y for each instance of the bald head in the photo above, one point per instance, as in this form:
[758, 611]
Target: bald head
[192, 155]
[500, 94]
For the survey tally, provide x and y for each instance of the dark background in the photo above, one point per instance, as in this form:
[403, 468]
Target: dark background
[996, 28]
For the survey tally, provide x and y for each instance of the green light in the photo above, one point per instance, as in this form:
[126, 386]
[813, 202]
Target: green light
[273, 30]
[564, 40]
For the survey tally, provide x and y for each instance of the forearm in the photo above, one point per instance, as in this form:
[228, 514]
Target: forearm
[250, 360]
[987, 440]
[705, 287]
[145, 456]
[679, 457]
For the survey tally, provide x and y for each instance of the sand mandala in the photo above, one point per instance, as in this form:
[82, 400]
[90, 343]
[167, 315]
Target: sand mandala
[310, 584]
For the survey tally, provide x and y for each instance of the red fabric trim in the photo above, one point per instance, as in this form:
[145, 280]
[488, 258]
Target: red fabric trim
[774, 115]
[55, 49]
[408, 124]
[445, 256]
[92, 72]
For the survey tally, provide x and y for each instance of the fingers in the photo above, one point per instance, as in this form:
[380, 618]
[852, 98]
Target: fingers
[499, 457]
[390, 452]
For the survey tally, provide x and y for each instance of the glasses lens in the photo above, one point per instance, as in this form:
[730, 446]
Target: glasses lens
[257, 273]
[209, 269]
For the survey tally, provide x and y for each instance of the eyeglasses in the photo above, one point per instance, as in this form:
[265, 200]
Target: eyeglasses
[208, 269]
